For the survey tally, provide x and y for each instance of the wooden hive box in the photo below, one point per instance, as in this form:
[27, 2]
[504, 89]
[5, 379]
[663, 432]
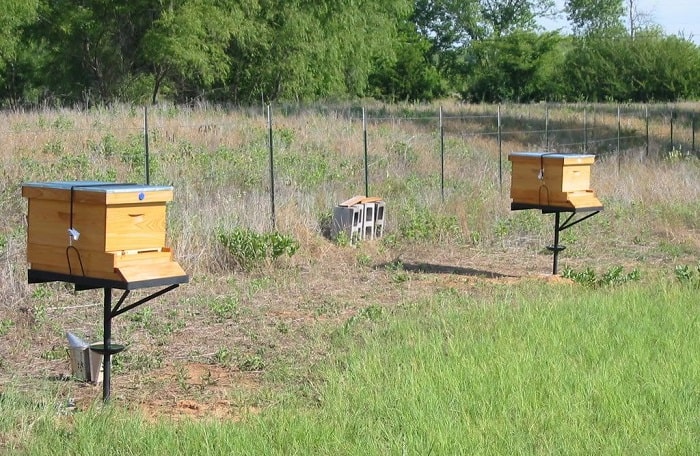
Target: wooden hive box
[121, 230]
[552, 180]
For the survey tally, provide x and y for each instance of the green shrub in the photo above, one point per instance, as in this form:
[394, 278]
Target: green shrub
[613, 276]
[688, 275]
[108, 147]
[5, 326]
[252, 363]
[133, 153]
[223, 356]
[425, 225]
[224, 307]
[398, 273]
[249, 249]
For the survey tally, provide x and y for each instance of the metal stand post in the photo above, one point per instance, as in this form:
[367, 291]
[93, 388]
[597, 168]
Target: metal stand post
[107, 340]
[556, 248]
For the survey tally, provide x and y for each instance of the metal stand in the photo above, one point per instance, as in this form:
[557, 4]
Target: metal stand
[568, 223]
[558, 226]
[107, 349]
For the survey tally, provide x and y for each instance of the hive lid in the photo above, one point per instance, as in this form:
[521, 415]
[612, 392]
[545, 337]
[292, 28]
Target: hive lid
[96, 186]
[97, 192]
[567, 158]
[360, 199]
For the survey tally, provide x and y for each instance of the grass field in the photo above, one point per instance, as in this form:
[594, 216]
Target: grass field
[530, 368]
[448, 335]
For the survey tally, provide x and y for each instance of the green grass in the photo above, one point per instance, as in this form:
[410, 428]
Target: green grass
[531, 368]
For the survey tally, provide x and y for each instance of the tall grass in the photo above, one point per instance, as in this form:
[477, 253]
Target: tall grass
[218, 162]
[531, 368]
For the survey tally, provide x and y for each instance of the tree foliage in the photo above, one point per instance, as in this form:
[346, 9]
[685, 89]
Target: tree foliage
[409, 74]
[62, 52]
[649, 67]
[521, 66]
[14, 15]
[595, 16]
[188, 43]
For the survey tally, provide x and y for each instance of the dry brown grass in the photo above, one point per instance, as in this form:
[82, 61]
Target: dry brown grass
[183, 356]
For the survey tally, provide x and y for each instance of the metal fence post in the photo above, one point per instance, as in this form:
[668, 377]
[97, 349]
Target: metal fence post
[364, 136]
[671, 128]
[692, 128]
[546, 128]
[442, 159]
[646, 120]
[585, 131]
[145, 139]
[619, 132]
[500, 151]
[272, 168]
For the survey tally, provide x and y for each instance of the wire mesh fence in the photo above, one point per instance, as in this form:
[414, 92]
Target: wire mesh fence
[293, 152]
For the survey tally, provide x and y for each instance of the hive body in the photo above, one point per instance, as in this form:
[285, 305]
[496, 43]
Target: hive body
[121, 230]
[552, 180]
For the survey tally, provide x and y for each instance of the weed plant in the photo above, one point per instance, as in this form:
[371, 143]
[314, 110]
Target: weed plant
[612, 277]
[248, 248]
[688, 275]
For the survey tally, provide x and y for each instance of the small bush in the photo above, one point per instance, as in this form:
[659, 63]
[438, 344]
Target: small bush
[688, 275]
[373, 312]
[5, 326]
[343, 240]
[133, 153]
[251, 363]
[223, 356]
[224, 307]
[613, 276]
[425, 225]
[250, 249]
[398, 274]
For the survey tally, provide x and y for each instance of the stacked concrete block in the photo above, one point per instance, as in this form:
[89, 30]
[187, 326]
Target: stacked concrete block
[379, 219]
[348, 220]
[360, 218]
[368, 225]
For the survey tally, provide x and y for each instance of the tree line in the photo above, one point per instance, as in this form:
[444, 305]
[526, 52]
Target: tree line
[87, 52]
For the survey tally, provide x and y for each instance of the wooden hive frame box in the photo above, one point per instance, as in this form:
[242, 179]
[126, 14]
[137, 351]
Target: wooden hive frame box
[552, 180]
[118, 230]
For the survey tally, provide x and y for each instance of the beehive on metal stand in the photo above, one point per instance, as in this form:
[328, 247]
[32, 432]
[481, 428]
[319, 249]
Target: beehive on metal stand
[552, 180]
[100, 230]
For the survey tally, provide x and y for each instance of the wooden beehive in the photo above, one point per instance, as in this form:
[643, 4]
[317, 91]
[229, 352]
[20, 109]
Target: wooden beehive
[121, 230]
[552, 180]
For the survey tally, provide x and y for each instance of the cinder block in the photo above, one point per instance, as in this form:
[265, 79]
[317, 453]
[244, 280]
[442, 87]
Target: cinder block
[368, 225]
[358, 219]
[379, 217]
[348, 220]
